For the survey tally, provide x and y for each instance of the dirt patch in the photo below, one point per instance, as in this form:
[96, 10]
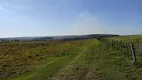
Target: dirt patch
[92, 75]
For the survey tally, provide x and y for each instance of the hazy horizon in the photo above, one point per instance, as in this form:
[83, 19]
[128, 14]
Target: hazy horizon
[25, 18]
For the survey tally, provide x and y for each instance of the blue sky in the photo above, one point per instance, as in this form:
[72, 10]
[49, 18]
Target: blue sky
[69, 17]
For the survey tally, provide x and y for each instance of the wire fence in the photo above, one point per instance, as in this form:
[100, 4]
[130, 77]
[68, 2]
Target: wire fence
[138, 51]
[128, 48]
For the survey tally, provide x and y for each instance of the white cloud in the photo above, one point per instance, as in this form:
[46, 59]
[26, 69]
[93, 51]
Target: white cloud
[86, 23]
[2, 9]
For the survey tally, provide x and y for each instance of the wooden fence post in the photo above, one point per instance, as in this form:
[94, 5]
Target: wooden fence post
[127, 48]
[120, 43]
[93, 51]
[113, 43]
[133, 52]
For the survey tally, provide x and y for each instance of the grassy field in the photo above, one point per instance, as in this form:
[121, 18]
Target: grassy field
[67, 60]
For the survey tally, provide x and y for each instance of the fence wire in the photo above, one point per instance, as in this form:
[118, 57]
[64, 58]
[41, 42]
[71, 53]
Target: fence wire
[138, 50]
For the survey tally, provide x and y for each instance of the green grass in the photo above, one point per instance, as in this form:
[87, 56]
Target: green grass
[115, 65]
[79, 66]
[68, 60]
[44, 72]
[133, 39]
[40, 62]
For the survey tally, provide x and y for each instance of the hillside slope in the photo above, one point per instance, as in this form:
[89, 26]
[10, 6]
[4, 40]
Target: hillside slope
[66, 60]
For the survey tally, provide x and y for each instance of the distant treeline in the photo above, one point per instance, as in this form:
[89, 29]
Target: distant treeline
[42, 38]
[78, 37]
[89, 36]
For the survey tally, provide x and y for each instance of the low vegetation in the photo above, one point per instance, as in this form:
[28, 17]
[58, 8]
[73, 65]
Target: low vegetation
[67, 60]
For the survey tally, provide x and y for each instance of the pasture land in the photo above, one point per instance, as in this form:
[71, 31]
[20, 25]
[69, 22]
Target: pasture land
[67, 60]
